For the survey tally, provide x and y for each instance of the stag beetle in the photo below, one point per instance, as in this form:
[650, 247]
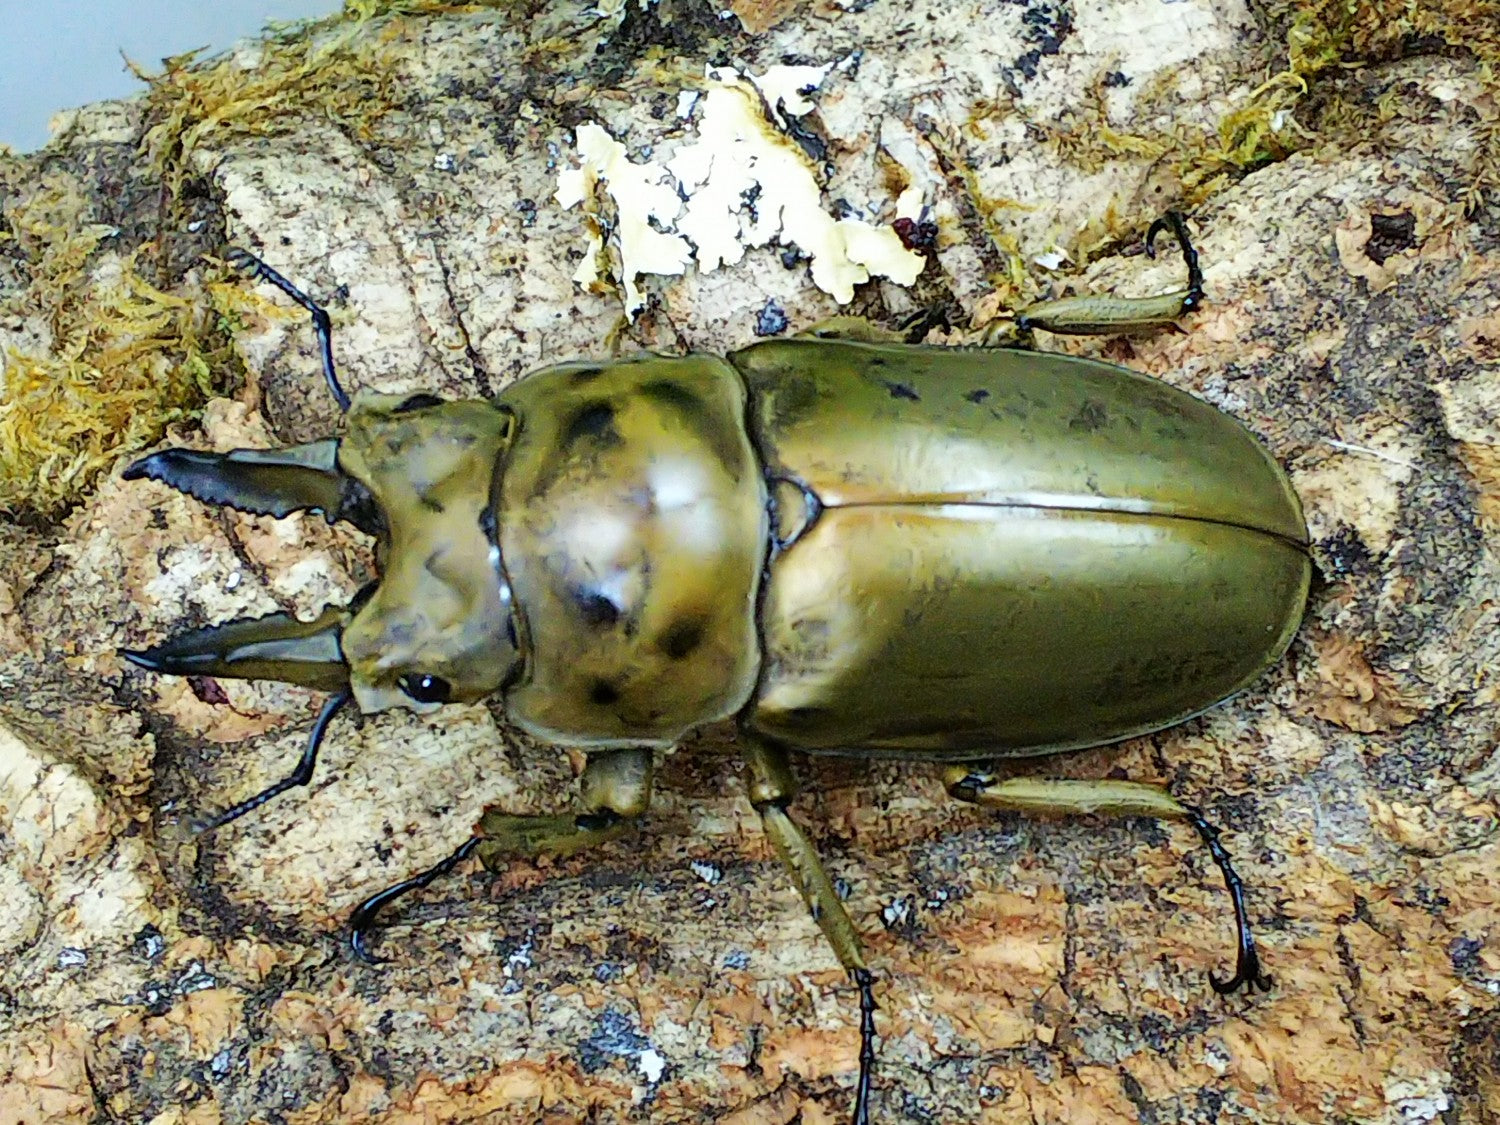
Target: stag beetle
[847, 547]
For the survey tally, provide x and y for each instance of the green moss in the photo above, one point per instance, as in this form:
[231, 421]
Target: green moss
[1320, 40]
[359, 10]
[1328, 37]
[1327, 33]
[126, 359]
[345, 76]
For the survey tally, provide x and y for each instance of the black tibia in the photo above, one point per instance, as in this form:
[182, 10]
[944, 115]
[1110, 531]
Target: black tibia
[616, 790]
[299, 776]
[322, 326]
[771, 788]
[1116, 798]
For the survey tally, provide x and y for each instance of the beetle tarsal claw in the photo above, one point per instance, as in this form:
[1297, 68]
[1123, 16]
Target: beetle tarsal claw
[864, 980]
[262, 482]
[366, 912]
[274, 647]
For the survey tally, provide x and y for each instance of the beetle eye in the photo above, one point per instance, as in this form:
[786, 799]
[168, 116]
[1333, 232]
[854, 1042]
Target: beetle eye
[425, 688]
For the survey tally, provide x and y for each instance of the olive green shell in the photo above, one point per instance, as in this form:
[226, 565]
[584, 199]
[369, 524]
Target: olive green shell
[886, 549]
[1014, 552]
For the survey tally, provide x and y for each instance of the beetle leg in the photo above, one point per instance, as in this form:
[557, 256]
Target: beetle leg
[859, 329]
[1101, 314]
[299, 776]
[772, 787]
[1116, 798]
[616, 790]
[322, 326]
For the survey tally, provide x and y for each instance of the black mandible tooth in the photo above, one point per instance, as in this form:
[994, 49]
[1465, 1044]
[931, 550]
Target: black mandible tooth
[198, 474]
[276, 646]
[262, 482]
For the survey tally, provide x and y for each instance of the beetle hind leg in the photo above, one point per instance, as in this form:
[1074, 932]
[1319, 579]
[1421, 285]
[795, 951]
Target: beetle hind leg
[1094, 314]
[616, 790]
[772, 787]
[857, 329]
[1056, 797]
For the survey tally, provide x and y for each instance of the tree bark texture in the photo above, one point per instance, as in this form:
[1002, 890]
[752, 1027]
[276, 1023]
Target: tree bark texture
[1027, 970]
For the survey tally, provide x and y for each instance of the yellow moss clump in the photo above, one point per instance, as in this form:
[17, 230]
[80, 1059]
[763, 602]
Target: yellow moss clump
[1321, 37]
[370, 9]
[344, 78]
[1324, 34]
[333, 68]
[125, 358]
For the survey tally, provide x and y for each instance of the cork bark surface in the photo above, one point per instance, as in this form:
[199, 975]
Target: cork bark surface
[1027, 970]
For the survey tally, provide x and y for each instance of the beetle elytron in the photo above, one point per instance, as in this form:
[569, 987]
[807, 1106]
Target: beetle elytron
[850, 548]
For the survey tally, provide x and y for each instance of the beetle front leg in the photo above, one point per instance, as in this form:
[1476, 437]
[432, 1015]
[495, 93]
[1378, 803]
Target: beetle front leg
[616, 790]
[772, 787]
[1057, 797]
[858, 329]
[322, 324]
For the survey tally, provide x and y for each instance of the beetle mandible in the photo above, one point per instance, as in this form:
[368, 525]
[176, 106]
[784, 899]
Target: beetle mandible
[849, 548]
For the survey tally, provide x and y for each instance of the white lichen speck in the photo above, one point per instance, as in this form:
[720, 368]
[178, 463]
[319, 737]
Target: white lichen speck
[652, 1064]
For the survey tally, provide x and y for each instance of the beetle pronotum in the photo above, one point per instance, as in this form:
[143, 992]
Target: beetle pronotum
[848, 547]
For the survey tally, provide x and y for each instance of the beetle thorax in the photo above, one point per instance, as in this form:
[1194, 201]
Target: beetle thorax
[441, 615]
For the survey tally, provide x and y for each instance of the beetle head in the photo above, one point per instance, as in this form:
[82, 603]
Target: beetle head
[414, 471]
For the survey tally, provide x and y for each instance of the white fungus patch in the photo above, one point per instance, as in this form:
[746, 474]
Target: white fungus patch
[641, 192]
[742, 183]
[1418, 1099]
[787, 89]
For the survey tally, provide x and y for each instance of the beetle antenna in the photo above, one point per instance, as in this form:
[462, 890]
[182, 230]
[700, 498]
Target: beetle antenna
[299, 776]
[322, 326]
[1247, 970]
[866, 981]
[364, 914]
[1173, 221]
